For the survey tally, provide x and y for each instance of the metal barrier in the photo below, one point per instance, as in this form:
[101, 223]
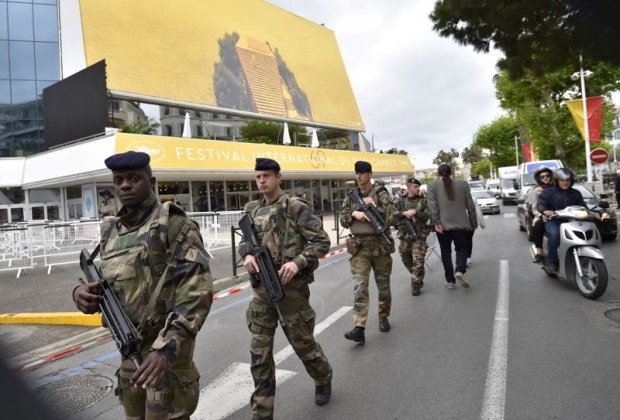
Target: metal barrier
[64, 241]
[214, 227]
[16, 254]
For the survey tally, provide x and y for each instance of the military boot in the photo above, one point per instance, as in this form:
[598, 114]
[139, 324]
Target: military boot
[415, 289]
[322, 394]
[356, 334]
[384, 324]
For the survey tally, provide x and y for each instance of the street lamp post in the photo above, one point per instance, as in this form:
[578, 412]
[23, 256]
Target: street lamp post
[582, 75]
[517, 149]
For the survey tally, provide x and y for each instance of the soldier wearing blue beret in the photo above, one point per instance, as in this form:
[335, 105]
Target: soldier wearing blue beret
[296, 241]
[127, 161]
[266, 164]
[136, 247]
[369, 249]
[361, 166]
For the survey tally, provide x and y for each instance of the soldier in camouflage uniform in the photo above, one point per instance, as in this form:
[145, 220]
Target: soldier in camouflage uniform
[178, 287]
[296, 241]
[413, 250]
[370, 250]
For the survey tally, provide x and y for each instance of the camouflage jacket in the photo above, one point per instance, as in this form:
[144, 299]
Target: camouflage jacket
[385, 207]
[134, 250]
[291, 232]
[422, 216]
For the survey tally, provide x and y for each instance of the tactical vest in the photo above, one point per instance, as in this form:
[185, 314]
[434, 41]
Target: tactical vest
[419, 204]
[135, 262]
[359, 228]
[275, 227]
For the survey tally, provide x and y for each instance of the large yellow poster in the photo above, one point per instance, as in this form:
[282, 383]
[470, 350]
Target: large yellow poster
[223, 156]
[243, 55]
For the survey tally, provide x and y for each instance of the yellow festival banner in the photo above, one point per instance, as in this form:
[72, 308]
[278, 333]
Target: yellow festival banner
[192, 154]
[242, 55]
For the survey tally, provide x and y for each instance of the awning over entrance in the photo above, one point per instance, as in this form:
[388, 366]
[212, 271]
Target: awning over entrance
[181, 159]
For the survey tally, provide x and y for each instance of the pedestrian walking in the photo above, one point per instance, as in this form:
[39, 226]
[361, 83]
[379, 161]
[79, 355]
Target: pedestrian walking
[166, 295]
[296, 241]
[369, 250]
[412, 249]
[453, 213]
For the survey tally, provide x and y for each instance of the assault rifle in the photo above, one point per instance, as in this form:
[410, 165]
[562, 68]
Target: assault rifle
[267, 271]
[371, 213]
[124, 333]
[409, 224]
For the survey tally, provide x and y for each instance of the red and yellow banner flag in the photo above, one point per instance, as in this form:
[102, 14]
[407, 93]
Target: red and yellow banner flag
[594, 107]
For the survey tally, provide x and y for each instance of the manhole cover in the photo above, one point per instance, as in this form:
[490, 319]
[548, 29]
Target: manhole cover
[75, 394]
[613, 314]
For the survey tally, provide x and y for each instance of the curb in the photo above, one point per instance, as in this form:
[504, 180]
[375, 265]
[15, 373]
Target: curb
[52, 318]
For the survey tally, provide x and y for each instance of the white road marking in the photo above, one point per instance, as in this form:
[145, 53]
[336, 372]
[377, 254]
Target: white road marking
[232, 389]
[494, 401]
[510, 215]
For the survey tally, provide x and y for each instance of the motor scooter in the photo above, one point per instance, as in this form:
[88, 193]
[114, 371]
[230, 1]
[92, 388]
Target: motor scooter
[579, 254]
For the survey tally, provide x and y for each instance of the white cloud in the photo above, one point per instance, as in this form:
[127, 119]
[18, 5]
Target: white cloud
[434, 93]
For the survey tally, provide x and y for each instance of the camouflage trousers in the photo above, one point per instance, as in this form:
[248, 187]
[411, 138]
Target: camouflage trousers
[176, 397]
[299, 318]
[375, 256]
[413, 256]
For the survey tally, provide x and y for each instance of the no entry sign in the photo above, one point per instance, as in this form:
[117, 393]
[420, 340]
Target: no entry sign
[599, 156]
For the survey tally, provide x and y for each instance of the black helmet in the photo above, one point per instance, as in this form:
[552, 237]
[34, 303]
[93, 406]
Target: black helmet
[540, 171]
[564, 173]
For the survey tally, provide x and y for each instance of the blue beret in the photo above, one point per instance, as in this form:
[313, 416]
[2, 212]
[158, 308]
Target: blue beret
[128, 160]
[266, 164]
[413, 180]
[363, 166]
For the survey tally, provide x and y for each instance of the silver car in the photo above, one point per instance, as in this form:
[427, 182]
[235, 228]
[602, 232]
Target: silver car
[487, 201]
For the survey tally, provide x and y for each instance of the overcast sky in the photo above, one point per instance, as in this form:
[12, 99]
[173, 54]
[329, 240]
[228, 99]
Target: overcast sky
[416, 91]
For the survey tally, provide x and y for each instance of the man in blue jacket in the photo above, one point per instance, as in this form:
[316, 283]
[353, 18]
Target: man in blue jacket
[555, 198]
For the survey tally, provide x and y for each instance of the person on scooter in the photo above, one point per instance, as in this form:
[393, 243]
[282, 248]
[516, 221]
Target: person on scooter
[544, 179]
[558, 197]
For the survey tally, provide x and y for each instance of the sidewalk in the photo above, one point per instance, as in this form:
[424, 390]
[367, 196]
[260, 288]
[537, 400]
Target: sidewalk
[39, 321]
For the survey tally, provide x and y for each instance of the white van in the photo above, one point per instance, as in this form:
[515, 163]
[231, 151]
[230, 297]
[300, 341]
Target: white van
[525, 179]
[493, 187]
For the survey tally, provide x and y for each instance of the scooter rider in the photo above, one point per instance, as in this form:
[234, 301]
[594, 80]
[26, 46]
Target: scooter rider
[555, 198]
[544, 179]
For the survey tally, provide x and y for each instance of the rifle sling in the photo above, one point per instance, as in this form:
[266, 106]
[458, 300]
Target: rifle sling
[171, 253]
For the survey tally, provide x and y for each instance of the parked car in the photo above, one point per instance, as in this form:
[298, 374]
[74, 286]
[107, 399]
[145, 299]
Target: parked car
[476, 185]
[487, 201]
[607, 226]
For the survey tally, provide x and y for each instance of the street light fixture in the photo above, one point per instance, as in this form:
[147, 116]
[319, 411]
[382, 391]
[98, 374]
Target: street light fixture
[581, 74]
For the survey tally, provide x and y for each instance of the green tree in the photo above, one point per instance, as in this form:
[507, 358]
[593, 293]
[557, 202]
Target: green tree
[472, 155]
[498, 138]
[446, 157]
[259, 131]
[396, 151]
[535, 35]
[539, 106]
[141, 127]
